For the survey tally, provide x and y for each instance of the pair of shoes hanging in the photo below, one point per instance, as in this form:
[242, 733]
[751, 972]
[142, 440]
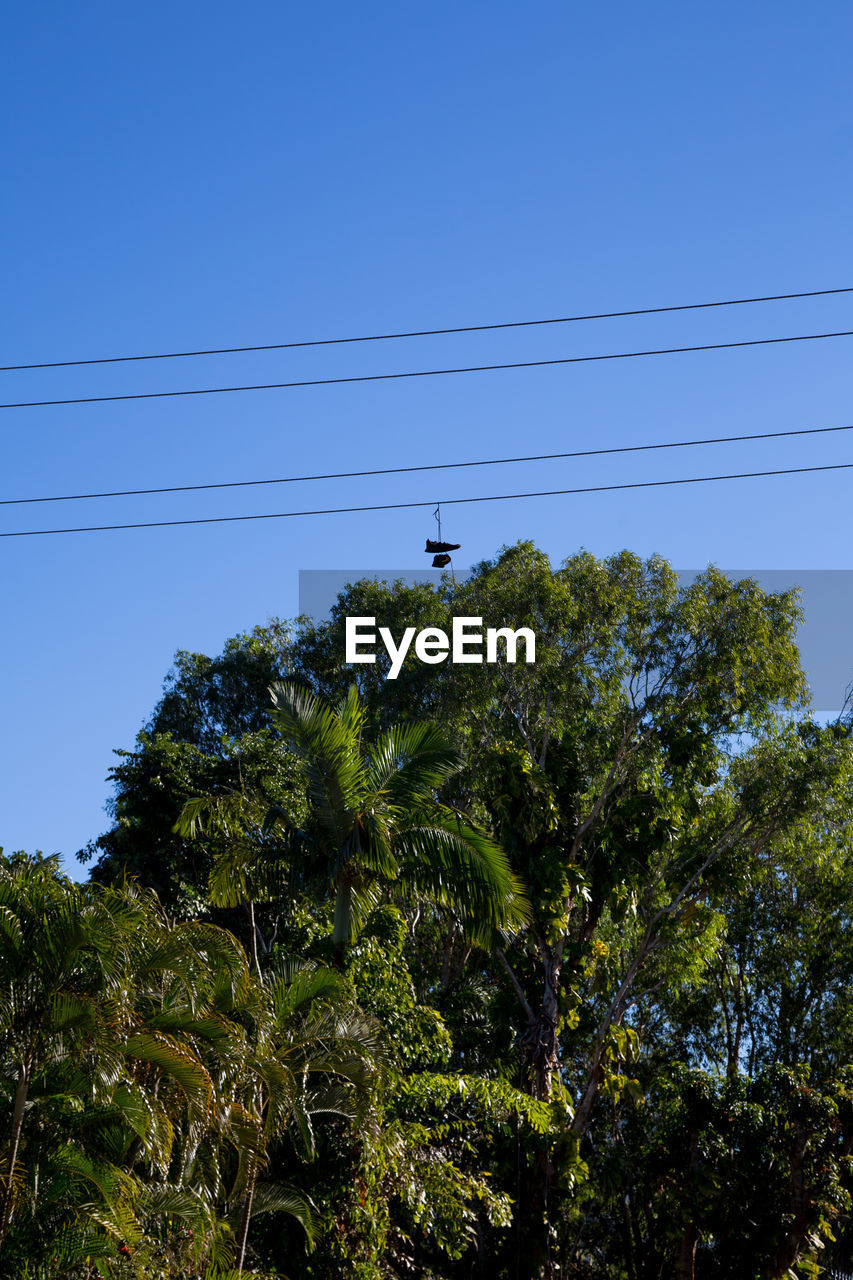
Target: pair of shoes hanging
[439, 549]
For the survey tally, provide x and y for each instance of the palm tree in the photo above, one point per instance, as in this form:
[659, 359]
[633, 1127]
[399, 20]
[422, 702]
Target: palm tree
[61, 956]
[377, 823]
[146, 1072]
[104, 1012]
[310, 1053]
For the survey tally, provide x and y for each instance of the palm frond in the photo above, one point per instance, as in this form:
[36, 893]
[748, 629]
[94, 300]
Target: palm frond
[458, 866]
[272, 1198]
[10, 928]
[410, 761]
[156, 1203]
[365, 898]
[175, 1061]
[328, 749]
[292, 993]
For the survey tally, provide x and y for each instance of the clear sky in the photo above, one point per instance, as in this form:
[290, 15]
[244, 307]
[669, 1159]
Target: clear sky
[192, 175]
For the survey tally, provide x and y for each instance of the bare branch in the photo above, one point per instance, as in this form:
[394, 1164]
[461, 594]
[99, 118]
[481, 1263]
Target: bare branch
[516, 985]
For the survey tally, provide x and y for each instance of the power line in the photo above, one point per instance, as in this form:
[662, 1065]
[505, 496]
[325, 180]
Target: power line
[424, 333]
[445, 502]
[430, 466]
[425, 373]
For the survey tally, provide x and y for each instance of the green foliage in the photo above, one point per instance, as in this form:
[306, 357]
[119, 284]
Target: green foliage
[747, 1174]
[146, 1075]
[513, 971]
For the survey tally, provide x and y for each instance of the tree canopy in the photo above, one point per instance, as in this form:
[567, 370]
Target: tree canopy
[567, 946]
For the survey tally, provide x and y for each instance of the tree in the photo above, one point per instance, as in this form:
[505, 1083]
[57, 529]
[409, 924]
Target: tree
[62, 956]
[599, 765]
[682, 830]
[148, 1076]
[189, 746]
[376, 820]
[614, 774]
[718, 1175]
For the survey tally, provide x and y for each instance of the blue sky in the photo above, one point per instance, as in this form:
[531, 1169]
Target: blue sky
[183, 176]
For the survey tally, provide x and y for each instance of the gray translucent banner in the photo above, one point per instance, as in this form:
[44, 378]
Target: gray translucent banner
[825, 637]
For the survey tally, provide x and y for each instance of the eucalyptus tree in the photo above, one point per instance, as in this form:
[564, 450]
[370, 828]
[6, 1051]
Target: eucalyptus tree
[638, 768]
[607, 769]
[778, 988]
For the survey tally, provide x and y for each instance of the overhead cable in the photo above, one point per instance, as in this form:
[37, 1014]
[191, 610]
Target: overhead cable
[424, 333]
[424, 373]
[428, 466]
[449, 502]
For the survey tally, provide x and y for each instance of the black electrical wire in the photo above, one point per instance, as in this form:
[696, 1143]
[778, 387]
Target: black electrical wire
[425, 333]
[444, 502]
[424, 373]
[429, 466]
